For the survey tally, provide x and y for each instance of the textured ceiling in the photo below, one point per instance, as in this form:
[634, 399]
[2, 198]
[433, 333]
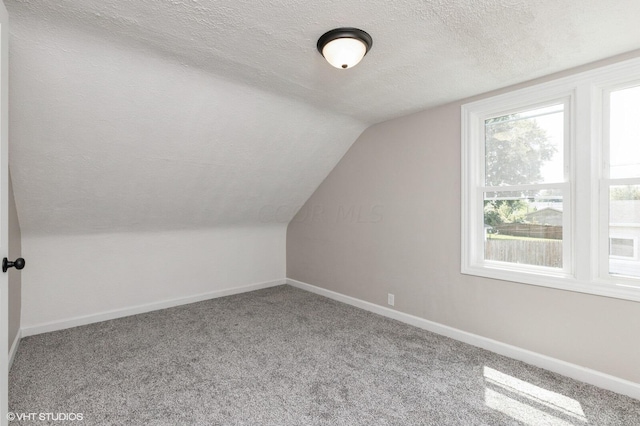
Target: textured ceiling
[165, 114]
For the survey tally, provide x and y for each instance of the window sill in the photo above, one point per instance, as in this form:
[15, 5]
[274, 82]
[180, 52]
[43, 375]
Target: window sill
[618, 289]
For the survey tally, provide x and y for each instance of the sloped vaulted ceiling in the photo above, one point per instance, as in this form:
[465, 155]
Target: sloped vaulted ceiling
[172, 114]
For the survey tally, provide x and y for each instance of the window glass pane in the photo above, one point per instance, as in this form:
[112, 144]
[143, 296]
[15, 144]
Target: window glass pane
[524, 227]
[525, 147]
[624, 137]
[624, 230]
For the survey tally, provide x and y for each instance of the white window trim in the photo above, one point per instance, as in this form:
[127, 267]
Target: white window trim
[587, 270]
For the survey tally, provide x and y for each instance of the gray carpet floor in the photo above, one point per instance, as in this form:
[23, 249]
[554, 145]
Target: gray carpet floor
[283, 356]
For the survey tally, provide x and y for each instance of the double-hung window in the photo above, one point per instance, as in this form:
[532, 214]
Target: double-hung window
[620, 184]
[551, 183]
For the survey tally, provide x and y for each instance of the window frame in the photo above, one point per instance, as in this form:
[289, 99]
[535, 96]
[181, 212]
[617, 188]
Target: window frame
[585, 269]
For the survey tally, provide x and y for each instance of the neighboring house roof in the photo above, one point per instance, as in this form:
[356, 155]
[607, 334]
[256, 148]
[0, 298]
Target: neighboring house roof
[620, 211]
[547, 210]
[546, 213]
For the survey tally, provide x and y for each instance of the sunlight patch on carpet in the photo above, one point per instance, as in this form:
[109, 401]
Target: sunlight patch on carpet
[529, 403]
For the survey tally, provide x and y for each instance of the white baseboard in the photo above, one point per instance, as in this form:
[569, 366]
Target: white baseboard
[568, 369]
[14, 348]
[140, 309]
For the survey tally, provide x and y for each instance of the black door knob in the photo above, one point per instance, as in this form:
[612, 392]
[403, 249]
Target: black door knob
[18, 264]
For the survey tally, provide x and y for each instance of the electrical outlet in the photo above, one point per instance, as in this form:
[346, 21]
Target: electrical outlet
[390, 299]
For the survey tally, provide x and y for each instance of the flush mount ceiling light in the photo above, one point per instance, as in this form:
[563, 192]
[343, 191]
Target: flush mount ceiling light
[344, 47]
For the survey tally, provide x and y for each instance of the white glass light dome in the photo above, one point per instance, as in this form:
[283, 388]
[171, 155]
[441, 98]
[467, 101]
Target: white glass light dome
[344, 52]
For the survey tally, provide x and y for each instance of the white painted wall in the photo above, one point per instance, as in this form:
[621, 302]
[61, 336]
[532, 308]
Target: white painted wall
[74, 276]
